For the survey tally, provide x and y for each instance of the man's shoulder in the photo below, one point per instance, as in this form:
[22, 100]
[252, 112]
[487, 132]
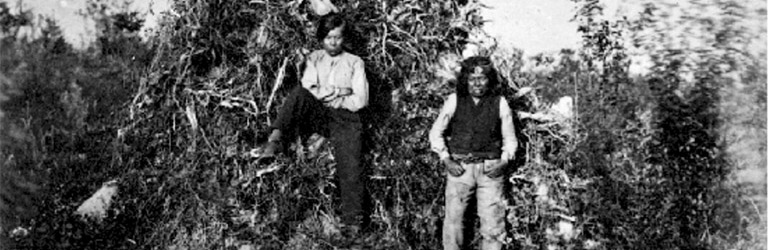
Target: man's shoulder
[502, 99]
[450, 102]
[316, 55]
[452, 97]
[352, 58]
[498, 98]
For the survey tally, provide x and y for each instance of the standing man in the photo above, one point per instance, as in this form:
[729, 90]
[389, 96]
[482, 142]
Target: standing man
[475, 139]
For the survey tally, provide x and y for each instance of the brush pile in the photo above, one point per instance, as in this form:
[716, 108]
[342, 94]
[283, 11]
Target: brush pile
[592, 172]
[222, 70]
[221, 73]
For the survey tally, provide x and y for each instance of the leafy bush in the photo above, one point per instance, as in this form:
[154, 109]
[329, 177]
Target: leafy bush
[61, 109]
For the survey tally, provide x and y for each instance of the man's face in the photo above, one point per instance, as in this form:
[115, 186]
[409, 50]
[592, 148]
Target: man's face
[478, 84]
[333, 40]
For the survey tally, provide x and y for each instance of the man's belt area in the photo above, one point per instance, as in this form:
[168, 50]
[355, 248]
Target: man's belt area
[474, 158]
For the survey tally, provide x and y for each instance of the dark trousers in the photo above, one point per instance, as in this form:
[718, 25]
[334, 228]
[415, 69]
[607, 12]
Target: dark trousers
[301, 115]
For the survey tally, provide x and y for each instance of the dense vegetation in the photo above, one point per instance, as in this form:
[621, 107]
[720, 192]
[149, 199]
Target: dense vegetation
[640, 161]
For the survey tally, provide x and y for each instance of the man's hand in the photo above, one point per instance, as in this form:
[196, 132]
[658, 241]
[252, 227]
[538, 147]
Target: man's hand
[345, 91]
[453, 167]
[495, 169]
[338, 92]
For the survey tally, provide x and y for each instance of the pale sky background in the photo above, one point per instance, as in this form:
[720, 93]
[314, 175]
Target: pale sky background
[534, 26]
[76, 28]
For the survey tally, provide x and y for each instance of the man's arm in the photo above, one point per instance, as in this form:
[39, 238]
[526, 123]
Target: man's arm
[310, 80]
[436, 133]
[358, 97]
[509, 139]
[437, 138]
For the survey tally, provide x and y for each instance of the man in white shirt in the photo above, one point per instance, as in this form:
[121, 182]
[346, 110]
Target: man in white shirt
[333, 89]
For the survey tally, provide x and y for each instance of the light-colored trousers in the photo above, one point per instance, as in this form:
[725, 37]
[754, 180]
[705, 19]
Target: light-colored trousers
[490, 206]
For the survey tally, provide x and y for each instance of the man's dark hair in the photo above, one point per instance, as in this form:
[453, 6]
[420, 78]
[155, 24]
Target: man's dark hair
[330, 22]
[468, 67]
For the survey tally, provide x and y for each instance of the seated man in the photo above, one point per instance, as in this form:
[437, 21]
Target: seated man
[334, 88]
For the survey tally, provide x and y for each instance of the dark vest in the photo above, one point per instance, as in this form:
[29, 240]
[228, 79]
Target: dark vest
[476, 129]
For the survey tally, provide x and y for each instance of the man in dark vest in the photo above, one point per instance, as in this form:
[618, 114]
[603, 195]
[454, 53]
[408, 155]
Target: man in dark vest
[475, 139]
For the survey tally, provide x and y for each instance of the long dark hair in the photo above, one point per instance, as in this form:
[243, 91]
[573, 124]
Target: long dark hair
[468, 67]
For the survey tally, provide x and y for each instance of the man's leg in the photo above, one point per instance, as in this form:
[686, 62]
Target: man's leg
[346, 138]
[300, 115]
[490, 209]
[458, 191]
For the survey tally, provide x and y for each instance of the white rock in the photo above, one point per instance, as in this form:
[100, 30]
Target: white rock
[323, 7]
[563, 109]
[565, 230]
[560, 112]
[246, 247]
[97, 205]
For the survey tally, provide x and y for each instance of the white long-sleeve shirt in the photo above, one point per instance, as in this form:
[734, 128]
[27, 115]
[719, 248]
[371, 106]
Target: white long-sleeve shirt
[325, 75]
[437, 138]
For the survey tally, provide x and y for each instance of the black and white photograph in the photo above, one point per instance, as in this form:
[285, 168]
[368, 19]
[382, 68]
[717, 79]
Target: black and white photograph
[383, 124]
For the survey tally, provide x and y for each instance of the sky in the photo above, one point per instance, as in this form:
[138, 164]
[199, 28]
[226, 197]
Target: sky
[76, 28]
[533, 26]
